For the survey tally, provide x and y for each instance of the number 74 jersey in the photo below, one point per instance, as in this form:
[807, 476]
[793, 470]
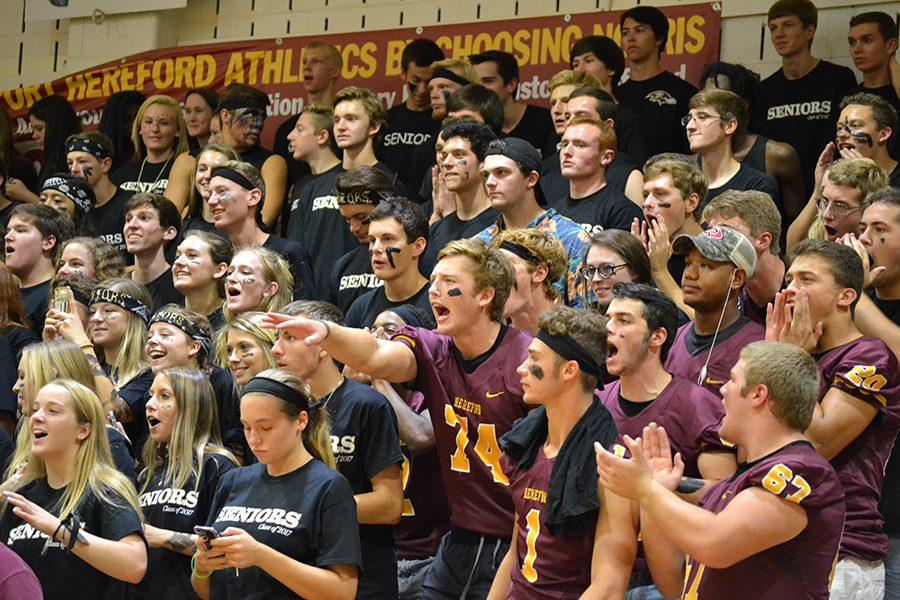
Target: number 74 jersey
[472, 407]
[799, 568]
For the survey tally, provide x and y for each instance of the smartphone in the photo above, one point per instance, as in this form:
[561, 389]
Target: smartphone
[61, 299]
[207, 533]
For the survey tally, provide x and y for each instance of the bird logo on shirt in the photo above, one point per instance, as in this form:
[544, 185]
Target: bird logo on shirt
[661, 97]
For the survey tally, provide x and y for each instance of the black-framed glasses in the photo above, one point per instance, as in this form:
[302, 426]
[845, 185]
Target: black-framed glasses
[605, 270]
[698, 118]
[838, 209]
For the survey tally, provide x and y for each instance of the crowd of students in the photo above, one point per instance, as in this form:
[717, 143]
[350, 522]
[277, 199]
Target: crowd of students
[639, 343]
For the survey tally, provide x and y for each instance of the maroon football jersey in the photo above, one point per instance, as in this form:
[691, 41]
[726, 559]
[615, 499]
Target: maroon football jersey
[470, 413]
[865, 369]
[426, 516]
[799, 568]
[690, 413]
[547, 567]
[724, 356]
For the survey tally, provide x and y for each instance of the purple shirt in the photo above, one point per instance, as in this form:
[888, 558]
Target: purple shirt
[798, 568]
[690, 413]
[724, 356]
[17, 580]
[547, 567]
[426, 516]
[865, 369]
[470, 413]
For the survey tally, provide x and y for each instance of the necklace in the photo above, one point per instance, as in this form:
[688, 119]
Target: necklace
[336, 388]
[158, 175]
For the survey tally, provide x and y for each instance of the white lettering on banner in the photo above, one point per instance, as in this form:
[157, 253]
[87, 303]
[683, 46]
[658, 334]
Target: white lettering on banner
[272, 516]
[174, 496]
[813, 110]
[323, 202]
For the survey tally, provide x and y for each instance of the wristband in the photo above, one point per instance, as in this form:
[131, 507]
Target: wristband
[86, 345]
[194, 570]
[327, 328]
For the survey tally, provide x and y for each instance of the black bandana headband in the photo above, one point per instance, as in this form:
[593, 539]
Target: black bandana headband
[74, 188]
[232, 175]
[82, 145]
[569, 349]
[282, 391]
[520, 251]
[371, 197]
[448, 74]
[193, 332]
[132, 305]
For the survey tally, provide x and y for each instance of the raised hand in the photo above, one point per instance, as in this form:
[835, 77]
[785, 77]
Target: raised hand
[311, 331]
[658, 452]
[630, 478]
[870, 275]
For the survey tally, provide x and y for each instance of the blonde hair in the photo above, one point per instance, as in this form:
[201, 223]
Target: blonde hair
[755, 208]
[276, 270]
[458, 66]
[194, 435]
[180, 143]
[194, 195]
[790, 375]
[686, 177]
[107, 261]
[250, 324]
[316, 437]
[367, 99]
[41, 364]
[546, 249]
[130, 360]
[861, 174]
[573, 78]
[490, 270]
[93, 467]
[334, 54]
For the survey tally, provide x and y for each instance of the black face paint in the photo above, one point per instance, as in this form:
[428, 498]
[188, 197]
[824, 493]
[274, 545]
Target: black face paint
[452, 292]
[536, 372]
[412, 88]
[390, 256]
[863, 138]
[446, 94]
[87, 171]
[664, 204]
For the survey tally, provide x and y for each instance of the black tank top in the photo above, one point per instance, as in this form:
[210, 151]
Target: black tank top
[756, 156]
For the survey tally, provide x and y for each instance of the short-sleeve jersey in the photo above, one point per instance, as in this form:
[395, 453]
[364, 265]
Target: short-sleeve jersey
[176, 509]
[798, 568]
[690, 413]
[308, 515]
[63, 575]
[725, 354]
[547, 567]
[426, 516]
[471, 411]
[865, 369]
[365, 441]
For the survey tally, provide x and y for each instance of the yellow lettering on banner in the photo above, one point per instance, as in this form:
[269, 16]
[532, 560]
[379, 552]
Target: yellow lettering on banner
[93, 85]
[286, 75]
[126, 77]
[520, 45]
[110, 80]
[697, 39]
[367, 56]
[393, 54]
[75, 86]
[235, 71]
[143, 74]
[15, 99]
[32, 93]
[184, 72]
[273, 63]
[612, 31]
[254, 57]
[161, 65]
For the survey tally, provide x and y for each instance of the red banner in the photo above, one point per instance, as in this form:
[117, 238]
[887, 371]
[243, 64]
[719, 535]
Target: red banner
[371, 59]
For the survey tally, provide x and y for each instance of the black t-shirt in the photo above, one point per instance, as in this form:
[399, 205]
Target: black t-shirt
[536, 128]
[162, 291]
[659, 103]
[135, 393]
[632, 138]
[198, 223]
[450, 228]
[109, 220]
[350, 278]
[63, 575]
[143, 176]
[890, 308]
[748, 178]
[556, 187]
[298, 261]
[894, 177]
[13, 340]
[21, 168]
[256, 156]
[6, 212]
[423, 158]
[121, 453]
[227, 405]
[889, 93]
[607, 208]
[36, 301]
[365, 442]
[316, 223]
[802, 112]
[367, 307]
[307, 515]
[405, 130]
[297, 169]
[7, 449]
[176, 509]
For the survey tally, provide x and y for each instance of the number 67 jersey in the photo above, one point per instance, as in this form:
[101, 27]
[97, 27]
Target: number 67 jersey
[472, 405]
[798, 568]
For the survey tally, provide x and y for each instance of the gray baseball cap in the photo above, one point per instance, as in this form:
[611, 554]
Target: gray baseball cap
[720, 244]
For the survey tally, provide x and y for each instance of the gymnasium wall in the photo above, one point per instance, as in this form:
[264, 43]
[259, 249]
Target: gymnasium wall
[32, 53]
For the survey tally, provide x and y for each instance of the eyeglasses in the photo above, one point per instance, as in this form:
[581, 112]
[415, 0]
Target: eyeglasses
[838, 209]
[698, 118]
[605, 271]
[388, 329]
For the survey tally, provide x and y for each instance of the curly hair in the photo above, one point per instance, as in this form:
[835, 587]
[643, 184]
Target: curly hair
[108, 263]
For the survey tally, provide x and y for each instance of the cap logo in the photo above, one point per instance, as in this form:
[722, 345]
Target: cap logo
[714, 233]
